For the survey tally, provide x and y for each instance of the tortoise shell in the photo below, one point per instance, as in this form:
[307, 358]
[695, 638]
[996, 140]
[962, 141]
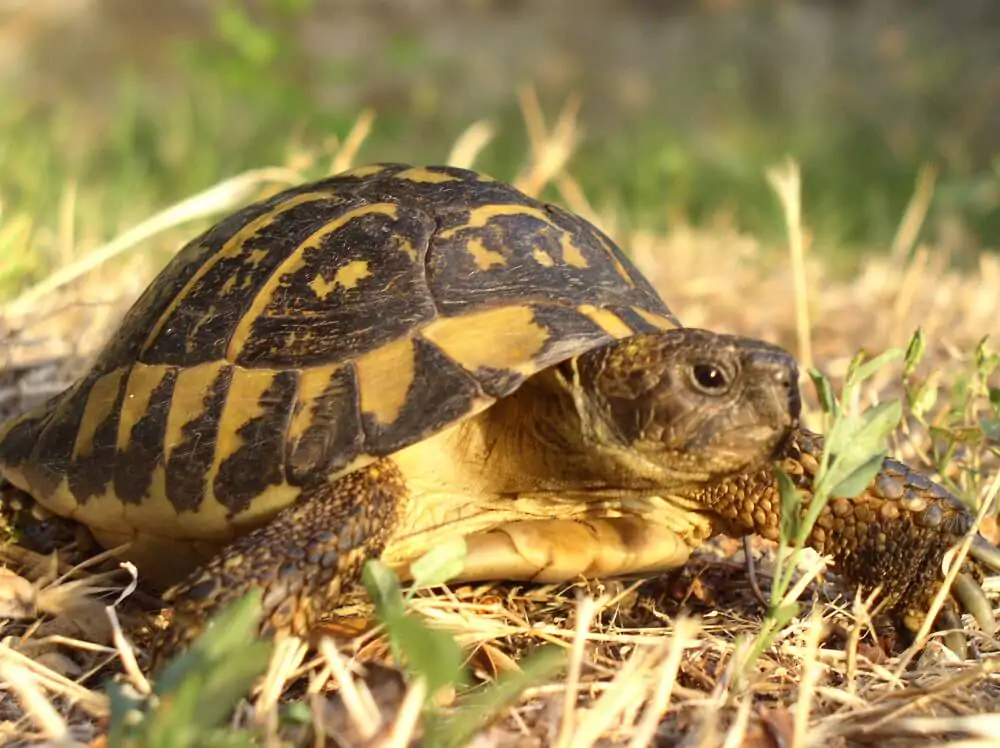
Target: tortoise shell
[314, 332]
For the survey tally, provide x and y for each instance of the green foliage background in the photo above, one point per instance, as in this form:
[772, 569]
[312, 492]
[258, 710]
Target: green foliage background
[909, 86]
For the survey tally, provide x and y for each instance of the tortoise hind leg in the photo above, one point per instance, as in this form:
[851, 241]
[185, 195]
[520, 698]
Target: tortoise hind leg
[301, 561]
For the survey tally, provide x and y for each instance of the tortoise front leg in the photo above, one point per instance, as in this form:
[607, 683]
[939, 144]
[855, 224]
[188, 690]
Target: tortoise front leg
[895, 533]
[302, 561]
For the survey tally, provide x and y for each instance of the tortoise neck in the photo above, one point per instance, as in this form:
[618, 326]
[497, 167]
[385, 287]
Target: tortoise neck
[540, 432]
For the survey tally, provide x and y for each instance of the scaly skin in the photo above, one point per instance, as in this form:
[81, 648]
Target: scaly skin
[300, 561]
[895, 533]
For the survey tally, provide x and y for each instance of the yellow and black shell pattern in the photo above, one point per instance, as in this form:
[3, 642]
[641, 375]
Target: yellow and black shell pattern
[315, 331]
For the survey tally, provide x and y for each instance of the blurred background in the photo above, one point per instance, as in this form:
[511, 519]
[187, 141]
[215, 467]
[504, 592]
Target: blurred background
[682, 106]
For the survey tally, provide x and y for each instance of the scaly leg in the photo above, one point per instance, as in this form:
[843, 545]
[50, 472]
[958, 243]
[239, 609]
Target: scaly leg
[895, 533]
[301, 561]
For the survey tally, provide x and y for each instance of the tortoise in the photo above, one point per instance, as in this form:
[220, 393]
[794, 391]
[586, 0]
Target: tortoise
[373, 363]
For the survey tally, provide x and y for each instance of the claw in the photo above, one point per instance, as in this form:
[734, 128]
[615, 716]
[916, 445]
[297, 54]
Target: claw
[973, 599]
[985, 552]
[955, 638]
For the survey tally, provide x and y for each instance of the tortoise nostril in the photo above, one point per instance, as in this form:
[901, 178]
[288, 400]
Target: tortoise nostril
[783, 377]
[786, 379]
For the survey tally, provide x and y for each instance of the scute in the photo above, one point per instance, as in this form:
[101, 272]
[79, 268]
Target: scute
[517, 252]
[325, 434]
[252, 460]
[327, 271]
[192, 432]
[92, 460]
[314, 332]
[319, 306]
[142, 431]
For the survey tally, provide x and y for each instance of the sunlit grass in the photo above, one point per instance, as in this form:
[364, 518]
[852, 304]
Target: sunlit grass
[73, 176]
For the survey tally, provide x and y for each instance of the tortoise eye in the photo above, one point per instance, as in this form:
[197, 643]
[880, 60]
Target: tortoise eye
[709, 378]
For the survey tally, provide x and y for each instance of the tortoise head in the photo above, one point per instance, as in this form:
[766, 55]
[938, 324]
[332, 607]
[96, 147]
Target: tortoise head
[686, 403]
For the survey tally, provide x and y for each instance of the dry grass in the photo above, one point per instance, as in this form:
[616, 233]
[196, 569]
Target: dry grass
[641, 671]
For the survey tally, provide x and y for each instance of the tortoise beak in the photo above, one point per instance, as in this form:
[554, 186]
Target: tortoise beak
[787, 400]
[777, 387]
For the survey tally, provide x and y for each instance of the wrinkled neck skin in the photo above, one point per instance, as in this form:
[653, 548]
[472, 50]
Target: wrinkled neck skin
[548, 439]
[534, 456]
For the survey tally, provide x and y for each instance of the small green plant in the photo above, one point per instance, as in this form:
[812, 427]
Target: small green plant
[967, 421]
[477, 708]
[425, 651]
[853, 454]
[435, 656]
[195, 694]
